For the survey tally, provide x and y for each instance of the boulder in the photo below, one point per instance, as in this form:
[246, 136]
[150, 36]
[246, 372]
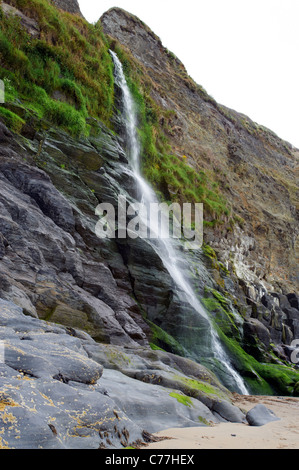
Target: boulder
[253, 328]
[228, 412]
[159, 407]
[260, 415]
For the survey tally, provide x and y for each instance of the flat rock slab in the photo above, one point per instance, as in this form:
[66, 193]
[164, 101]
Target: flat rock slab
[159, 407]
[260, 415]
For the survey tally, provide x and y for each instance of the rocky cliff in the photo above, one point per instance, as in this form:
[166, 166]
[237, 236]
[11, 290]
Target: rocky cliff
[98, 321]
[257, 171]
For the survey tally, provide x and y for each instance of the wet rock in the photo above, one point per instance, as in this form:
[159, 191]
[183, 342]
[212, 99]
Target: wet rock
[52, 263]
[45, 368]
[37, 185]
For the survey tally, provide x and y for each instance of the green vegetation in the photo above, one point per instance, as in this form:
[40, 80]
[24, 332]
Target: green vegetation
[209, 252]
[182, 399]
[262, 379]
[192, 387]
[219, 306]
[203, 421]
[164, 341]
[12, 120]
[154, 347]
[65, 75]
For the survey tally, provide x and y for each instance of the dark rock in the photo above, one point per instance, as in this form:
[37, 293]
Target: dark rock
[5, 135]
[60, 268]
[253, 328]
[36, 184]
[260, 415]
[293, 300]
[287, 334]
[283, 301]
[268, 301]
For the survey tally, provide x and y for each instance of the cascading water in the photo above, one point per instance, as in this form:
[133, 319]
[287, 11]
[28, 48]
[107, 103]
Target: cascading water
[164, 246]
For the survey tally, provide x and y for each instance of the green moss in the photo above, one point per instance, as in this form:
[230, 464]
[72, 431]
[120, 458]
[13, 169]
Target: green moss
[209, 252]
[155, 348]
[203, 421]
[192, 387]
[162, 340]
[12, 120]
[182, 399]
[223, 268]
[262, 378]
[223, 317]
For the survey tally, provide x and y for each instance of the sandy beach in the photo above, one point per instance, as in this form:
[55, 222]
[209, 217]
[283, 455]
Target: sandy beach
[282, 434]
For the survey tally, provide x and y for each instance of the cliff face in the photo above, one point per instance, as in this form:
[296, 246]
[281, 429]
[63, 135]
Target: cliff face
[254, 168]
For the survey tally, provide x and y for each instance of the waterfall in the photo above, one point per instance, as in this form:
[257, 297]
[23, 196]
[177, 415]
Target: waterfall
[166, 247]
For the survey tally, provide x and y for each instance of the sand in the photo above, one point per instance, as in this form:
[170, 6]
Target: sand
[283, 434]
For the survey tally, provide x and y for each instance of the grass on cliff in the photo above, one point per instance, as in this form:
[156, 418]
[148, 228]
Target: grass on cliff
[65, 75]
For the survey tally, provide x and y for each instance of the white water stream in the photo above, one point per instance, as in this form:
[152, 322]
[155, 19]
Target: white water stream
[165, 246]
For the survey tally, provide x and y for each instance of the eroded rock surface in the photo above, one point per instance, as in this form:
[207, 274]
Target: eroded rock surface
[55, 392]
[52, 263]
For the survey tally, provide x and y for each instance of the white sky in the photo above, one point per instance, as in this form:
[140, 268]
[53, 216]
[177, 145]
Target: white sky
[245, 53]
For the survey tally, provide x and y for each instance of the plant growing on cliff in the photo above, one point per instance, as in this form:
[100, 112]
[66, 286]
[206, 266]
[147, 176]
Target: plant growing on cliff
[63, 75]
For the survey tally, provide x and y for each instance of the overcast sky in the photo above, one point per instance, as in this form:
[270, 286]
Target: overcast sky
[245, 53]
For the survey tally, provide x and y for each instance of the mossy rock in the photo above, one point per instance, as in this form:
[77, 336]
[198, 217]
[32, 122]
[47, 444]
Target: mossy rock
[261, 378]
[199, 389]
[182, 399]
[220, 309]
[65, 315]
[162, 340]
